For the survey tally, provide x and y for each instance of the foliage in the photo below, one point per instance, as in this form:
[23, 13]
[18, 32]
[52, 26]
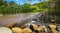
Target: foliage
[26, 8]
[54, 10]
[13, 8]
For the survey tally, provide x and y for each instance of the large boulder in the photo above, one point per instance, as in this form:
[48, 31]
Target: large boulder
[5, 30]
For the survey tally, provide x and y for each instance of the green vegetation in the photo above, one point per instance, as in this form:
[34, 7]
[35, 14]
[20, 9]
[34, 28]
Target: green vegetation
[54, 7]
[13, 8]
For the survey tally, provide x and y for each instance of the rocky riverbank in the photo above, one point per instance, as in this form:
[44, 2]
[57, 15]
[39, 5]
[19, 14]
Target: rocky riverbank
[32, 28]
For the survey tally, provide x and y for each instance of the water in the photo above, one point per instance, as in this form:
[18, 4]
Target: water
[23, 18]
[9, 19]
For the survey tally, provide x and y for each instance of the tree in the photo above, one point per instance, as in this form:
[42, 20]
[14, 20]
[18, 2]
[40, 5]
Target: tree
[57, 7]
[1, 2]
[54, 7]
[26, 8]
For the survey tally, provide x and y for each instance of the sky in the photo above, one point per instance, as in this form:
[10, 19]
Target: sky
[22, 1]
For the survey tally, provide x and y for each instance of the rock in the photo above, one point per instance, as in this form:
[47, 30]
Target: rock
[52, 26]
[27, 30]
[5, 30]
[16, 30]
[58, 27]
[54, 31]
[33, 27]
[42, 29]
